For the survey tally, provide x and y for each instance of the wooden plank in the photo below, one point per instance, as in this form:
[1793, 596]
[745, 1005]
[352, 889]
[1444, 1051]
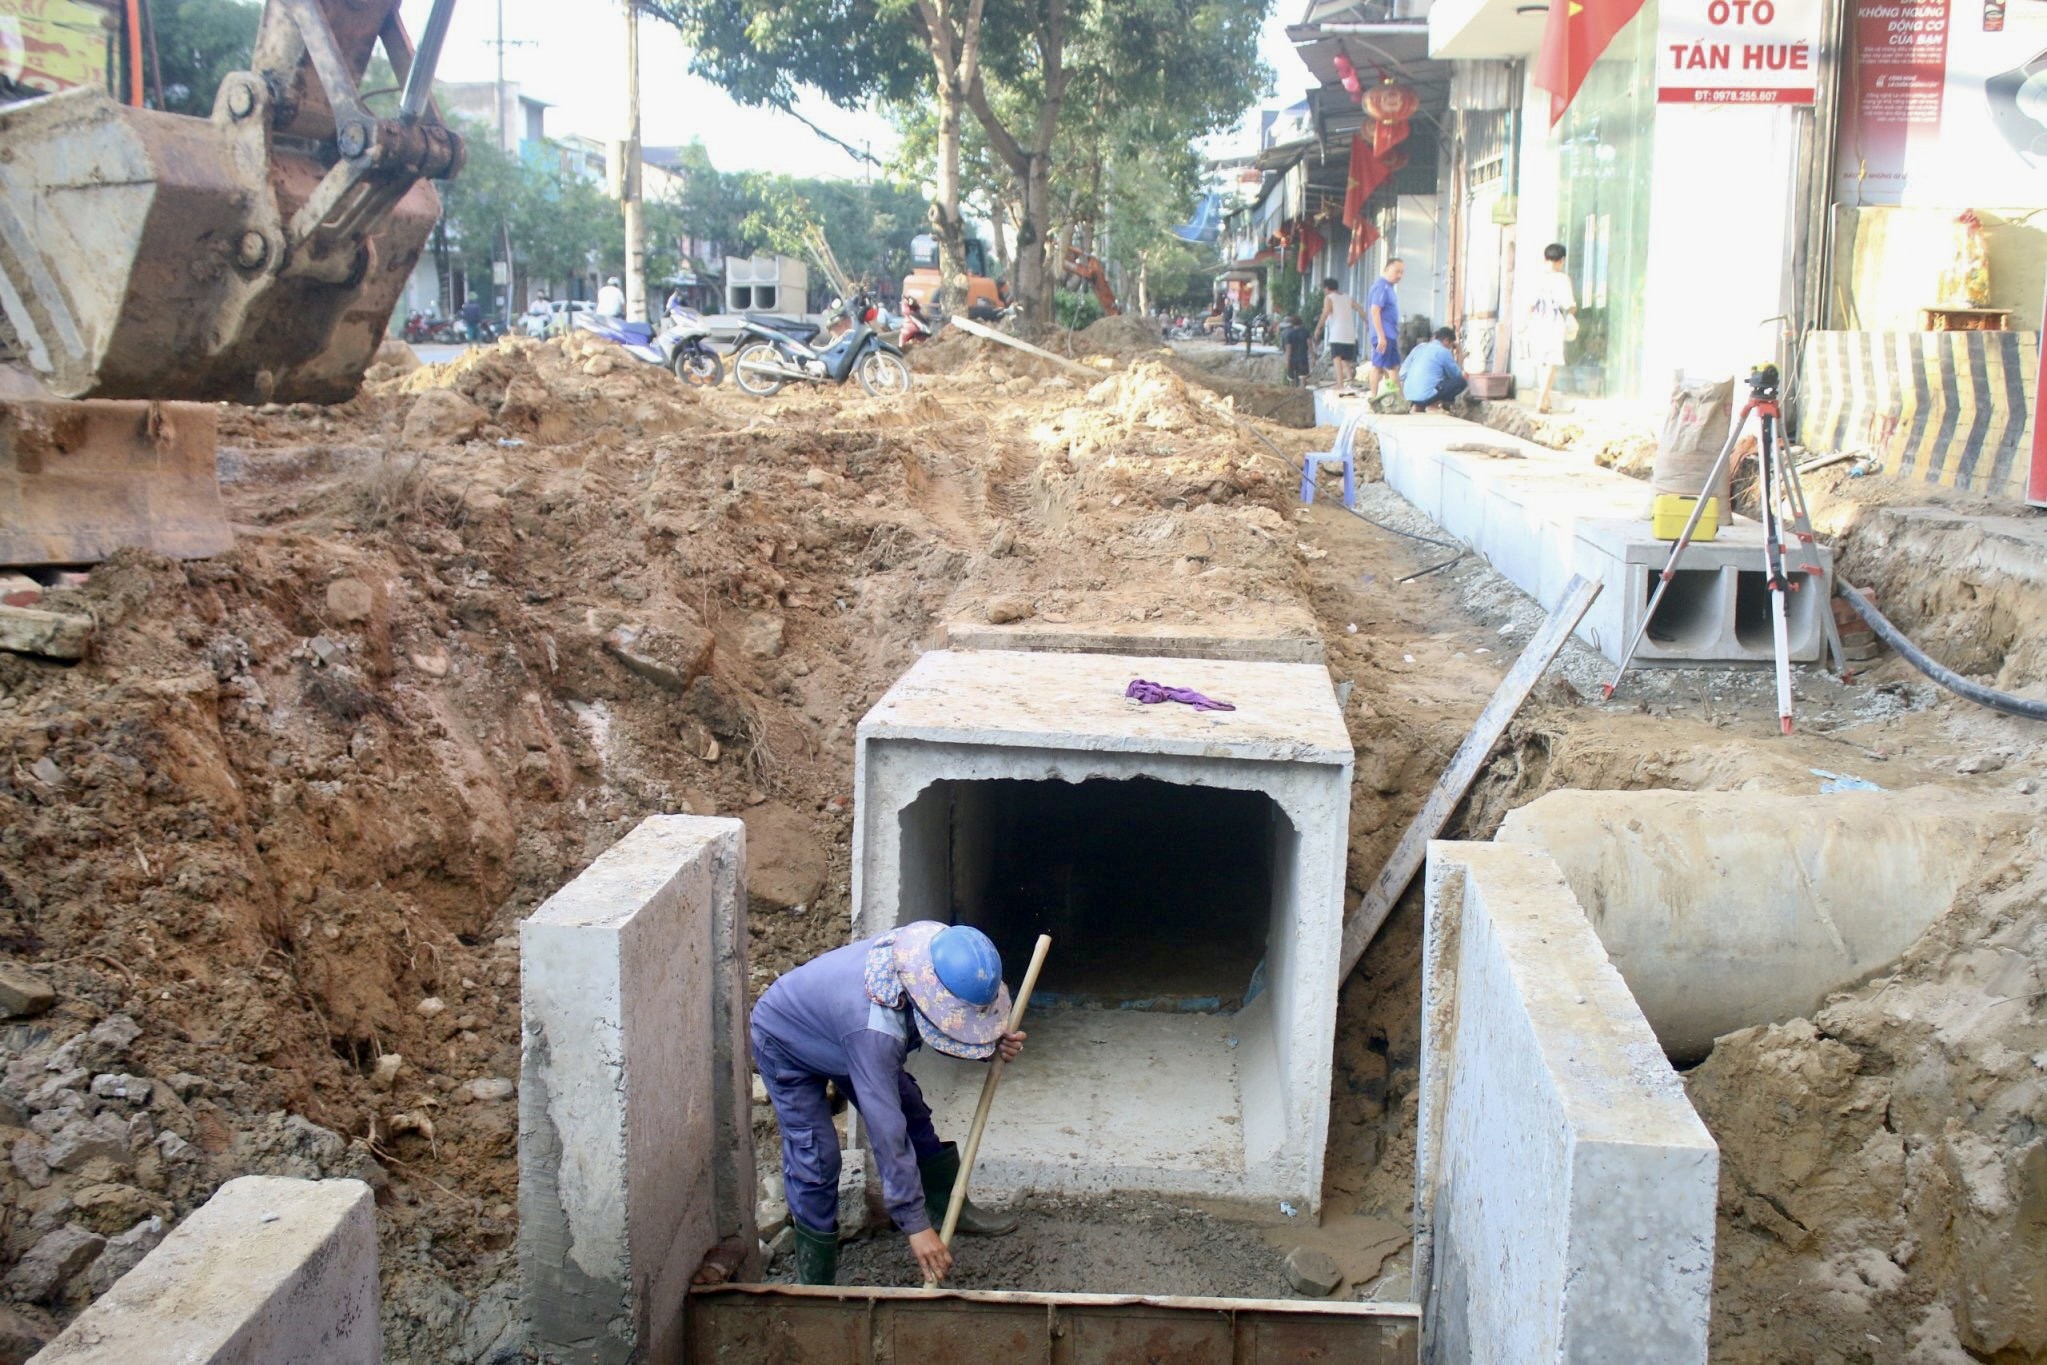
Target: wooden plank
[973, 328]
[56, 634]
[1471, 755]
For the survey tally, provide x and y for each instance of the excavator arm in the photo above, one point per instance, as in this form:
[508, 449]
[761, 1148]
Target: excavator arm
[254, 256]
[1080, 265]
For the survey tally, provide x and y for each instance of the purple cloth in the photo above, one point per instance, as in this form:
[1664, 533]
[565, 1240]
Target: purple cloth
[1151, 694]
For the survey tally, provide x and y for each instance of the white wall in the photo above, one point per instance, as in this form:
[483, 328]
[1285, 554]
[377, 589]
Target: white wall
[1721, 230]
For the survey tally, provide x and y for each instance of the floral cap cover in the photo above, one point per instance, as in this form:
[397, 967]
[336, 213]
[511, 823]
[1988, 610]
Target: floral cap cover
[899, 964]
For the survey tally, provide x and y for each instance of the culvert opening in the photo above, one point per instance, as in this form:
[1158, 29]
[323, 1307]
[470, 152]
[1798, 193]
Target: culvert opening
[1152, 1022]
[1158, 895]
[1689, 615]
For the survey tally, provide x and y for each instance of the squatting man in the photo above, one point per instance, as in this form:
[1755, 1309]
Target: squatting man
[852, 1017]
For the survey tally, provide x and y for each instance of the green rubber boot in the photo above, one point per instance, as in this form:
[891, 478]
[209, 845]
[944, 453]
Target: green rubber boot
[817, 1255]
[940, 1173]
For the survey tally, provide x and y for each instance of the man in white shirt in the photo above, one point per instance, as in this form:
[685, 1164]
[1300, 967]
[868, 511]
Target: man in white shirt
[611, 299]
[1340, 318]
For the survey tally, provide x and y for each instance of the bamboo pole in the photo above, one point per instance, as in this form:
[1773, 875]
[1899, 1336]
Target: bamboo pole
[993, 1079]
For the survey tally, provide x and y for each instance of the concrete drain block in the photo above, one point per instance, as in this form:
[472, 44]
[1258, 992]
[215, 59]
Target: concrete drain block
[1190, 868]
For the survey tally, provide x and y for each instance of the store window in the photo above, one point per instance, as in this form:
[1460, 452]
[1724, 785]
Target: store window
[1603, 210]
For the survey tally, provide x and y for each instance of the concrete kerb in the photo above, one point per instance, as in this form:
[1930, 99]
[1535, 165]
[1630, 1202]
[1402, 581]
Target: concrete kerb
[635, 1144]
[1564, 1187]
[1540, 515]
[269, 1271]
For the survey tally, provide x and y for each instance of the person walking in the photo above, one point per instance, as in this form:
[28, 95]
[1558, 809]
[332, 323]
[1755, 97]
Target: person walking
[1382, 308]
[1430, 377]
[1339, 326]
[1295, 338]
[1552, 320]
[852, 1017]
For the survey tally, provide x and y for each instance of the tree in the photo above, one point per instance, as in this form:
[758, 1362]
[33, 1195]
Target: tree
[199, 43]
[1020, 66]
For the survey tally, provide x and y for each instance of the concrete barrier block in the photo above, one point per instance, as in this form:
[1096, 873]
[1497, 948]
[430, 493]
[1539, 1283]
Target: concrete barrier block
[635, 1158]
[1539, 516]
[1564, 1188]
[269, 1271]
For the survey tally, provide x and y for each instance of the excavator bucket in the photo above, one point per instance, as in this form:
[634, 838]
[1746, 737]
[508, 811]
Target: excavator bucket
[252, 257]
[79, 481]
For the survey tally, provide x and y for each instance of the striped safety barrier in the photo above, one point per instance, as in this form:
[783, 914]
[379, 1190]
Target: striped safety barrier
[1950, 408]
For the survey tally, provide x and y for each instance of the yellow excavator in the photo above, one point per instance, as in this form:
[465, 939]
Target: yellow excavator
[152, 264]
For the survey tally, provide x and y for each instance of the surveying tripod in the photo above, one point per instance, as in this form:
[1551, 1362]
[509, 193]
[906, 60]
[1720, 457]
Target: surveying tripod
[1781, 498]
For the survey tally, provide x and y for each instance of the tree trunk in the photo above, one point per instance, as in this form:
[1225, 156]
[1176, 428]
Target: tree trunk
[1035, 277]
[946, 223]
[954, 42]
[1143, 287]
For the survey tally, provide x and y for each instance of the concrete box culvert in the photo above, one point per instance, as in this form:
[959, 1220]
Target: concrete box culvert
[1723, 910]
[1190, 868]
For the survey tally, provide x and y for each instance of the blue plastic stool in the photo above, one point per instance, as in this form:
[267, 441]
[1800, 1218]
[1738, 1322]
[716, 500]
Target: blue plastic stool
[1342, 453]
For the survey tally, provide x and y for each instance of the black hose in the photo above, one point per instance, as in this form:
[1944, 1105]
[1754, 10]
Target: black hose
[2026, 707]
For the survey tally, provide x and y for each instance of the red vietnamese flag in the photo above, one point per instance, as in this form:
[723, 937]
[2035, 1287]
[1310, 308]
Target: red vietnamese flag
[1576, 33]
[1358, 186]
[1311, 247]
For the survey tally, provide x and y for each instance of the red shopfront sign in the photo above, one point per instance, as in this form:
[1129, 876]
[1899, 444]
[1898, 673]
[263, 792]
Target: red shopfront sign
[1737, 51]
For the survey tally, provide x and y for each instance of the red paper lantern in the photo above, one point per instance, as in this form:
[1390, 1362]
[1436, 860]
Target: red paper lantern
[1391, 102]
[1348, 74]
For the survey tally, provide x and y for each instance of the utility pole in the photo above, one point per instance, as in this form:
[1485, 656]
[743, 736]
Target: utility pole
[629, 181]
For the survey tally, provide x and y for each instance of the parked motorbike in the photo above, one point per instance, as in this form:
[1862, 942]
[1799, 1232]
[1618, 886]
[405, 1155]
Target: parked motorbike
[425, 328]
[682, 345]
[768, 359]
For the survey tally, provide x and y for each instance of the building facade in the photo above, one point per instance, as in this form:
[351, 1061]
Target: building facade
[1799, 182]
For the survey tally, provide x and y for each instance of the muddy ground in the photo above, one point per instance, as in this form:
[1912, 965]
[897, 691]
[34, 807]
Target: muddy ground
[272, 841]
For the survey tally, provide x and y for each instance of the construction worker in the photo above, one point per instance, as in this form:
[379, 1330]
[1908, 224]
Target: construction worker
[852, 1017]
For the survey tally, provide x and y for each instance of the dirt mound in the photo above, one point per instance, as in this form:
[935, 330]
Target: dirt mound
[548, 392]
[1121, 338]
[1883, 1172]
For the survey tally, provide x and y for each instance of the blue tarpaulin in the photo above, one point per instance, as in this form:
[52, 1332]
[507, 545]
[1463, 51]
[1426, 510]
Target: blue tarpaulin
[1206, 224]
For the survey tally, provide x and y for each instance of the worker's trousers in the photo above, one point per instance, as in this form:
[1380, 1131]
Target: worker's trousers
[810, 1144]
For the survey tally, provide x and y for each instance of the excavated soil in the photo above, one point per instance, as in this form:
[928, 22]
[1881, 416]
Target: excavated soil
[271, 842]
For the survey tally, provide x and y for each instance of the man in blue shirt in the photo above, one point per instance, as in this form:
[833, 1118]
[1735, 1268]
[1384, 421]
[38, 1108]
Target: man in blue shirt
[1382, 327]
[1430, 377]
[852, 1017]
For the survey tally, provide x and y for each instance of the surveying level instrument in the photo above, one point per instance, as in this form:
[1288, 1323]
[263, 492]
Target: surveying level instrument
[1781, 499]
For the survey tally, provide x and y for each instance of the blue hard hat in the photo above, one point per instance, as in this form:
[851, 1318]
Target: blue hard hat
[967, 964]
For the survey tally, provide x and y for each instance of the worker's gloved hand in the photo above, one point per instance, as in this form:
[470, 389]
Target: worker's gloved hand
[934, 1258]
[1010, 1045]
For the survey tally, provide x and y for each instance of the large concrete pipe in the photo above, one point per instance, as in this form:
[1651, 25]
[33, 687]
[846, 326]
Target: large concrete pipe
[1727, 909]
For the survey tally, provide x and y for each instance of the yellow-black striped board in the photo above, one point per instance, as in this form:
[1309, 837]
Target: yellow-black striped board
[1948, 408]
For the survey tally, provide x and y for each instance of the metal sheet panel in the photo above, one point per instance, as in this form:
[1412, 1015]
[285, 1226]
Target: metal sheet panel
[868, 1326]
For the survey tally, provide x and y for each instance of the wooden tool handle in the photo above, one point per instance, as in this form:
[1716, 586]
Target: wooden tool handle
[988, 1084]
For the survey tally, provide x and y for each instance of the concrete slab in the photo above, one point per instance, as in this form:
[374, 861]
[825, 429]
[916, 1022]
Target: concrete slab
[269, 1271]
[1289, 637]
[971, 753]
[1564, 1188]
[1540, 515]
[1827, 890]
[635, 1147]
[1285, 712]
[1105, 1100]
